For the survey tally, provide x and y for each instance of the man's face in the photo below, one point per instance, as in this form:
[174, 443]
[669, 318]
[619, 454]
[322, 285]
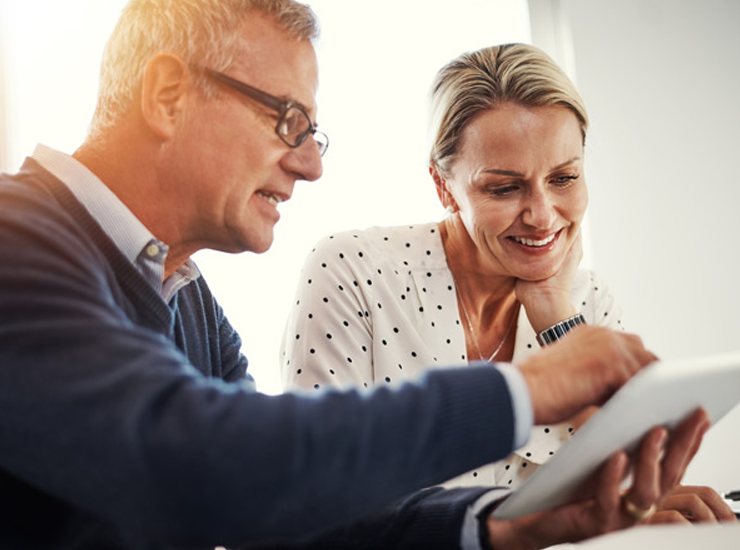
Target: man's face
[234, 169]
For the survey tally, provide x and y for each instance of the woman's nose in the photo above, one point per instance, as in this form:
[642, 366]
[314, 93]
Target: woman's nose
[539, 211]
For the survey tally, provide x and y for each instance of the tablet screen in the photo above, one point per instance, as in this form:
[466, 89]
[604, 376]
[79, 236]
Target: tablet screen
[663, 393]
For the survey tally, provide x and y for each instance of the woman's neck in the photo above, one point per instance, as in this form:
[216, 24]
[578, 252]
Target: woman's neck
[476, 281]
[487, 301]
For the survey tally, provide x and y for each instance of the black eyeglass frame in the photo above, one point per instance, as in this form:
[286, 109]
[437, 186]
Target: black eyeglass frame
[282, 106]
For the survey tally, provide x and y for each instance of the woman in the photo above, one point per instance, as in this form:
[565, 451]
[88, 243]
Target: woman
[492, 281]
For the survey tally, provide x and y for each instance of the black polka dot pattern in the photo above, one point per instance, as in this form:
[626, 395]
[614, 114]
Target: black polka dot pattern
[379, 307]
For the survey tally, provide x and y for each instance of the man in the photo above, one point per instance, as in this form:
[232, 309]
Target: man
[127, 419]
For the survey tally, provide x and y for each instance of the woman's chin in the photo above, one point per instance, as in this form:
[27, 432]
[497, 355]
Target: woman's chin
[535, 274]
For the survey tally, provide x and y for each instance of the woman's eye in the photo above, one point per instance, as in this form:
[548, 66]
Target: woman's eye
[564, 180]
[503, 190]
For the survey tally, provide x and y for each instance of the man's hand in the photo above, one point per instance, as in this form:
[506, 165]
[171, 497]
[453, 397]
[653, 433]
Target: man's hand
[585, 368]
[658, 466]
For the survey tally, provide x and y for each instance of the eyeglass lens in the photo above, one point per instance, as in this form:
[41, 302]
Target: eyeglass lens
[295, 126]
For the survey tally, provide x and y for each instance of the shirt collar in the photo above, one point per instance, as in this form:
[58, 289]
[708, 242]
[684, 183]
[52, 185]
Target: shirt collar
[127, 232]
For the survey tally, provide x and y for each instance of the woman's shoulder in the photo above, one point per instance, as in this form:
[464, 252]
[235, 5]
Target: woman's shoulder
[594, 298]
[394, 241]
[588, 282]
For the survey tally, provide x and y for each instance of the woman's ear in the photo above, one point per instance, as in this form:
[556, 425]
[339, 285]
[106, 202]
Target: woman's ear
[443, 192]
[164, 91]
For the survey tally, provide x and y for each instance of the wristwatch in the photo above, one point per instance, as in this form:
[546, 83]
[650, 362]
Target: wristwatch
[558, 330]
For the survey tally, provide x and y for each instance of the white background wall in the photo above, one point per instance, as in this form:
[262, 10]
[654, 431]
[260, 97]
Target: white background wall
[660, 79]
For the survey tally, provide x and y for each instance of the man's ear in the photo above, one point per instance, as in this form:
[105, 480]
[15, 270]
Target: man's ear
[164, 90]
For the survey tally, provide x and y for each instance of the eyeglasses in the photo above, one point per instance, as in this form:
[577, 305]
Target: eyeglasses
[293, 125]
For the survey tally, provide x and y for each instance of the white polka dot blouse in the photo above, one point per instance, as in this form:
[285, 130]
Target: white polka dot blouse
[379, 306]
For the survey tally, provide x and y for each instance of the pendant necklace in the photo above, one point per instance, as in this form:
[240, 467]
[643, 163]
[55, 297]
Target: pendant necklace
[472, 332]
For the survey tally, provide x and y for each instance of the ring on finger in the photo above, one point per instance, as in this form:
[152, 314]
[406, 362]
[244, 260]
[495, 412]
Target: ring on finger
[640, 514]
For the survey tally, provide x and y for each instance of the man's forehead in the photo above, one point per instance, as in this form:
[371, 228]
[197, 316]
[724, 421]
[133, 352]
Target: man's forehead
[271, 59]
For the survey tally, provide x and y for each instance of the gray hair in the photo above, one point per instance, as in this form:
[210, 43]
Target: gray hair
[479, 81]
[201, 32]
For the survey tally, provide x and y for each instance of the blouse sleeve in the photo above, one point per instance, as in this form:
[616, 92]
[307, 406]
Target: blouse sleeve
[328, 335]
[605, 309]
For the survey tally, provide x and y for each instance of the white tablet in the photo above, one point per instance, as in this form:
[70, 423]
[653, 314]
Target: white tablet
[663, 393]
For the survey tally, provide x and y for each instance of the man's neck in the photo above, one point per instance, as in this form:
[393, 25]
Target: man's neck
[118, 167]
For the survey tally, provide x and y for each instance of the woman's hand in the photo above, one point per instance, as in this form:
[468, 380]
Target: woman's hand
[548, 301]
[658, 464]
[692, 504]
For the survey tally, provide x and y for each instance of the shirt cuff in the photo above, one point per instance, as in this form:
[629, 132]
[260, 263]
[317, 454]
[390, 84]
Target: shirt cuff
[521, 403]
[470, 537]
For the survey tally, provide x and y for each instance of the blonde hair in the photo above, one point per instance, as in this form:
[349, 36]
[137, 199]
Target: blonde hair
[479, 81]
[200, 32]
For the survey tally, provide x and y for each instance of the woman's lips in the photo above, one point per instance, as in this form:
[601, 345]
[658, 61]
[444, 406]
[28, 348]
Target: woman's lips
[534, 243]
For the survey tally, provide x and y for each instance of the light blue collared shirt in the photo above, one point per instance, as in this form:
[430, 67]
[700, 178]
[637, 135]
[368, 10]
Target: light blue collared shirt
[131, 236]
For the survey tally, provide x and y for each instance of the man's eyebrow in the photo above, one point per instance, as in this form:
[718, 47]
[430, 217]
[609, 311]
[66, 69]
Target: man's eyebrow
[292, 101]
[513, 173]
[297, 103]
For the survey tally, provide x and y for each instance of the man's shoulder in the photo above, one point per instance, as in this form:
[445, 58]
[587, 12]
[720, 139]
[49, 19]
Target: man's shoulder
[25, 202]
[31, 189]
[27, 183]
[38, 220]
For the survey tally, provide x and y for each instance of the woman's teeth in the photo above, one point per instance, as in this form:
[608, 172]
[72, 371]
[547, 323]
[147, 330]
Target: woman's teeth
[531, 242]
[272, 199]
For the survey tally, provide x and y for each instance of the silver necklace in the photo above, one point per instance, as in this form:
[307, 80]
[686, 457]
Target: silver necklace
[472, 332]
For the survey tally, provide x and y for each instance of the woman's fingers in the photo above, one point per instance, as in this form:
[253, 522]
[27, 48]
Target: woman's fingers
[682, 446]
[658, 467]
[698, 505]
[646, 490]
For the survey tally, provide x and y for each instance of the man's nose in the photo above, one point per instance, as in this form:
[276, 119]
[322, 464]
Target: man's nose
[305, 160]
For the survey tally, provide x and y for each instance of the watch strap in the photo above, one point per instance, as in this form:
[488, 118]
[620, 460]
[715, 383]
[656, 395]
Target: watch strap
[558, 330]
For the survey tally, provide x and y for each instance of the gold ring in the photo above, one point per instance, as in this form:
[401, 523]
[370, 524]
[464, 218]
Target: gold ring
[639, 514]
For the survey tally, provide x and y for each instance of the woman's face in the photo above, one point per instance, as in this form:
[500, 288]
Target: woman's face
[519, 188]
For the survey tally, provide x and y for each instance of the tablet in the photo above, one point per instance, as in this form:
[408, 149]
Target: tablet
[663, 393]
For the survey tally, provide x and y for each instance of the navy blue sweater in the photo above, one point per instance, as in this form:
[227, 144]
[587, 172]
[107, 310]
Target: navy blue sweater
[125, 422]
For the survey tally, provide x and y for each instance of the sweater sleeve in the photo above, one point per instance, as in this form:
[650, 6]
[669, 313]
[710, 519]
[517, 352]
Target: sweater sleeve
[429, 519]
[109, 417]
